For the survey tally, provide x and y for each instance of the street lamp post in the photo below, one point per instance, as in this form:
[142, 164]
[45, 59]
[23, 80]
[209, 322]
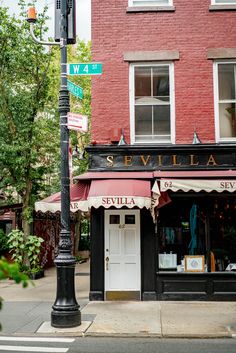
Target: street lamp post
[65, 311]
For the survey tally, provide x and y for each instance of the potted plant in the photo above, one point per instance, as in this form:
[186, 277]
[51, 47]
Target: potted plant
[26, 252]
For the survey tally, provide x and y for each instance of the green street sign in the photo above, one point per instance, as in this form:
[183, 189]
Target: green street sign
[84, 69]
[77, 91]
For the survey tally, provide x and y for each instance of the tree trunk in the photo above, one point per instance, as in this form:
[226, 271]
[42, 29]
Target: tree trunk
[26, 215]
[26, 210]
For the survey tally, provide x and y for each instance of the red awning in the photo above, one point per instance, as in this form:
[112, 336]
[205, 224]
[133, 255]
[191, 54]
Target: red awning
[78, 199]
[197, 180]
[114, 175]
[195, 174]
[119, 192]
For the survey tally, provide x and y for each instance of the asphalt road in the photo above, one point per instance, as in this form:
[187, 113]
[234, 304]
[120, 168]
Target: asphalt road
[114, 345]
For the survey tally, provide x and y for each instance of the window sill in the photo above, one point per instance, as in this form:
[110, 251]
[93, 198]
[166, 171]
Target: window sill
[150, 9]
[222, 7]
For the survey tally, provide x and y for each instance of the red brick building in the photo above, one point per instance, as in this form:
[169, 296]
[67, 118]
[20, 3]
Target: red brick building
[169, 84]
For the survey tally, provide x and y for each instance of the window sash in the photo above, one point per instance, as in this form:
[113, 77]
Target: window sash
[225, 122]
[166, 126]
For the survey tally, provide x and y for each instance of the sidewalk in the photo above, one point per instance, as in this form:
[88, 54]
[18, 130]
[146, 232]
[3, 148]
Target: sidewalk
[27, 311]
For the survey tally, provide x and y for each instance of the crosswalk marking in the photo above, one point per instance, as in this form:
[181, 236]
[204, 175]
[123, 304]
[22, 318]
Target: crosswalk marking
[36, 339]
[33, 349]
[42, 349]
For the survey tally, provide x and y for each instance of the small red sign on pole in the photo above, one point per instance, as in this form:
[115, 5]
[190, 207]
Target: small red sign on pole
[77, 122]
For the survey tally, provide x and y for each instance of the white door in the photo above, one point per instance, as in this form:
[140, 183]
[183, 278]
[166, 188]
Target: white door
[122, 250]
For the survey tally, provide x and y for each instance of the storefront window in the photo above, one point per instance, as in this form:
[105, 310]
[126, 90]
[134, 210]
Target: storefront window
[201, 232]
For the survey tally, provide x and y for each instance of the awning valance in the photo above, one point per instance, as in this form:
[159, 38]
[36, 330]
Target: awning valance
[119, 193]
[78, 199]
[197, 185]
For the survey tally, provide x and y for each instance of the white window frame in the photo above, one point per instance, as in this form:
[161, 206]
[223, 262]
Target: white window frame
[223, 2]
[132, 102]
[155, 3]
[216, 100]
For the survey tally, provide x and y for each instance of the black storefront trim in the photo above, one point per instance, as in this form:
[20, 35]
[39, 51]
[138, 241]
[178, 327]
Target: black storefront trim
[217, 286]
[130, 158]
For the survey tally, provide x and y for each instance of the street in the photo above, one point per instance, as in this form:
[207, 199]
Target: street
[114, 345]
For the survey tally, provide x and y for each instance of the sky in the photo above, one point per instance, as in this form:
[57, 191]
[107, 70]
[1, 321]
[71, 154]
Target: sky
[83, 15]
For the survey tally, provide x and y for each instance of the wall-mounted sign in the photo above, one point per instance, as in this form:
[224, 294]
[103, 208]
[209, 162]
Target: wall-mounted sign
[139, 158]
[77, 122]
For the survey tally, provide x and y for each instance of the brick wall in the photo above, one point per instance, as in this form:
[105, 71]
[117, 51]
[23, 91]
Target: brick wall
[191, 29]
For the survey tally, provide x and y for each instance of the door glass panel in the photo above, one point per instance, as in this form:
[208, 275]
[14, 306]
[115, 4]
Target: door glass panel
[130, 219]
[114, 219]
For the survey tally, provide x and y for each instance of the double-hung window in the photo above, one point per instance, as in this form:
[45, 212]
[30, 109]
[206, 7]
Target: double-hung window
[150, 2]
[225, 100]
[152, 103]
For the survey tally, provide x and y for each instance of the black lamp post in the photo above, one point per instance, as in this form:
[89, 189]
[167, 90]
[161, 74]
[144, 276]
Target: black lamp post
[65, 311]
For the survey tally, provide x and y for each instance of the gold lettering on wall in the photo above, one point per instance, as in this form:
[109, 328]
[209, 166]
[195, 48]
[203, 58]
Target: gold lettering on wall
[128, 160]
[211, 160]
[159, 160]
[192, 160]
[174, 160]
[110, 160]
[145, 161]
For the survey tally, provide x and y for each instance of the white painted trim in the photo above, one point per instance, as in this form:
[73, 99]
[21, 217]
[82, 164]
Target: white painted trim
[170, 64]
[131, 103]
[33, 349]
[172, 103]
[216, 105]
[37, 339]
[155, 3]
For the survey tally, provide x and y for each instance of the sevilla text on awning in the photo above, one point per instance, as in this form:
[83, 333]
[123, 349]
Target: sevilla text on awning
[119, 192]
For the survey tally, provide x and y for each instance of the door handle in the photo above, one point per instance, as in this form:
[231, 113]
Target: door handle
[107, 260]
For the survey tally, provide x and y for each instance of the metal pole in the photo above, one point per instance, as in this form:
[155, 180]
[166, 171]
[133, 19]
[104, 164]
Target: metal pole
[66, 311]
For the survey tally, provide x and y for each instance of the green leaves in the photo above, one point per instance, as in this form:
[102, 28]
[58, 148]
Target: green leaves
[23, 249]
[12, 271]
[29, 128]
